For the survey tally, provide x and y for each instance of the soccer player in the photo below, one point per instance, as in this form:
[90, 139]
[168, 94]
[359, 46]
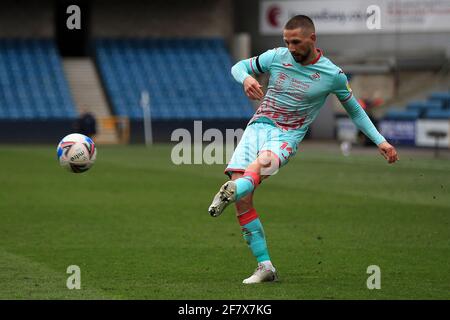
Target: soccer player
[301, 78]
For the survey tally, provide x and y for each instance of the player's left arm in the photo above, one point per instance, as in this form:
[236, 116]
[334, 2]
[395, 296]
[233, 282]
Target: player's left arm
[359, 117]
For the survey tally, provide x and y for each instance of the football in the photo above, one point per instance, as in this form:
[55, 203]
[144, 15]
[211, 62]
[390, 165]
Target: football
[76, 152]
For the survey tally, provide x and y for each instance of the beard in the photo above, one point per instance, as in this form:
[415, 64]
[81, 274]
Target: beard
[301, 57]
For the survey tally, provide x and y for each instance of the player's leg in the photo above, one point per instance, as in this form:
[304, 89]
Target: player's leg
[252, 228]
[273, 154]
[244, 154]
[253, 233]
[264, 165]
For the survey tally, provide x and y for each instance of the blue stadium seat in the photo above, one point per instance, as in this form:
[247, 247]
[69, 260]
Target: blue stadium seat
[443, 97]
[438, 114]
[32, 82]
[424, 105]
[186, 78]
[402, 114]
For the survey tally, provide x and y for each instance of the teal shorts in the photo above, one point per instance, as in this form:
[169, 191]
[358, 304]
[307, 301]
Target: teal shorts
[259, 137]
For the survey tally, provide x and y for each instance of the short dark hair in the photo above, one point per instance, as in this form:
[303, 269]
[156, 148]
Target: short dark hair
[300, 21]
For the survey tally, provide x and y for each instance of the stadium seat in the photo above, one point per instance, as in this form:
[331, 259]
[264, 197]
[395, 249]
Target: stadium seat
[402, 115]
[438, 114]
[185, 78]
[32, 82]
[422, 107]
[443, 97]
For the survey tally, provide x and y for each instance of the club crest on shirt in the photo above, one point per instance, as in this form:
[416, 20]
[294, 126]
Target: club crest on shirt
[315, 76]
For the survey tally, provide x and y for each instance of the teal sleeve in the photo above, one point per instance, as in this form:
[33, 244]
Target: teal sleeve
[255, 65]
[362, 121]
[359, 117]
[240, 71]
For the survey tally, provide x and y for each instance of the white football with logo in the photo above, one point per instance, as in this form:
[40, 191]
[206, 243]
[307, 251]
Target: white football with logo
[76, 152]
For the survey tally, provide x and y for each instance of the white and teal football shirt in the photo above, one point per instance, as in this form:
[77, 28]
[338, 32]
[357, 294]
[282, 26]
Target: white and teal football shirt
[293, 100]
[296, 92]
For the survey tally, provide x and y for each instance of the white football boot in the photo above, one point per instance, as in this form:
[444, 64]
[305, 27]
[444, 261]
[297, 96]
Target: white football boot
[262, 274]
[225, 196]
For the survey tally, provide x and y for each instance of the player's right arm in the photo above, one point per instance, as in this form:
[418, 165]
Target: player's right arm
[244, 69]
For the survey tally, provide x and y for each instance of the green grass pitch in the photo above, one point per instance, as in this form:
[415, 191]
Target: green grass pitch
[138, 227]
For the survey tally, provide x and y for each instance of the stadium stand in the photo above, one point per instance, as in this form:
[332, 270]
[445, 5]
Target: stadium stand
[32, 81]
[437, 106]
[437, 114]
[443, 97]
[402, 115]
[185, 78]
